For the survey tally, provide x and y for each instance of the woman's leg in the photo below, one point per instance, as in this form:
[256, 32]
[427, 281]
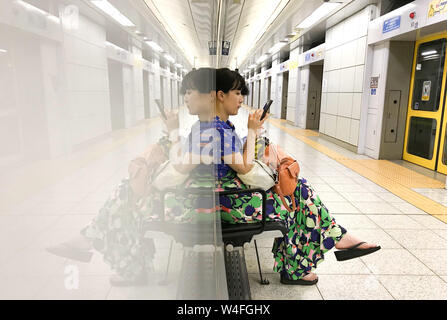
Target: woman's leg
[116, 232]
[312, 232]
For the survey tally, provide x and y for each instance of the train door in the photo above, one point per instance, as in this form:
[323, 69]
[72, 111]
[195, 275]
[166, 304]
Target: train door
[426, 123]
[284, 93]
[178, 86]
[314, 96]
[116, 93]
[146, 93]
[172, 94]
[269, 88]
[162, 91]
[252, 94]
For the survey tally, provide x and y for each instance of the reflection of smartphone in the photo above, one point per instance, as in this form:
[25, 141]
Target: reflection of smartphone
[161, 109]
[266, 108]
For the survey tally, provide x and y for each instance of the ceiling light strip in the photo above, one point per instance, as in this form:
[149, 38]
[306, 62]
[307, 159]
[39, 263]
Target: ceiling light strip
[318, 14]
[113, 12]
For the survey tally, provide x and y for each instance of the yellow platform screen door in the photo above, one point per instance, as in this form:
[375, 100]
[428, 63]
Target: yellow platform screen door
[426, 104]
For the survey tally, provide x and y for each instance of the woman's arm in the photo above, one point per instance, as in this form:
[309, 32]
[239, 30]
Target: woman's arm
[243, 163]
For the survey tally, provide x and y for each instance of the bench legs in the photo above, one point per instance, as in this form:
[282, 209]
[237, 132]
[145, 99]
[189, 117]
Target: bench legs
[237, 276]
[264, 281]
[165, 280]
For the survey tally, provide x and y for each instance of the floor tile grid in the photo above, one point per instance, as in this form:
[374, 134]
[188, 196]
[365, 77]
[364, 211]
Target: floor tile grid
[411, 253]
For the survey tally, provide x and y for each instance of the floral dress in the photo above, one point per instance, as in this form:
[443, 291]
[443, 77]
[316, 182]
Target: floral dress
[311, 229]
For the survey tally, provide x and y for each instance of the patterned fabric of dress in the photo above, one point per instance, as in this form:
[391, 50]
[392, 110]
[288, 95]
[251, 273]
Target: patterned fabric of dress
[311, 229]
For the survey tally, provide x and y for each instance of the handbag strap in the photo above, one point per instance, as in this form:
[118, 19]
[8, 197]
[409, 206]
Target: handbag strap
[285, 203]
[279, 192]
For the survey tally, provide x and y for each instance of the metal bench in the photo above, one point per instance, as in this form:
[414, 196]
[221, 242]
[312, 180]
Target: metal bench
[235, 238]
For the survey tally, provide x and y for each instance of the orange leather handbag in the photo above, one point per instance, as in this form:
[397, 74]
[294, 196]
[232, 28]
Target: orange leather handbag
[287, 170]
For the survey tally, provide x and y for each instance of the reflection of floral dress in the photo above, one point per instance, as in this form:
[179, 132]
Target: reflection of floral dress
[311, 229]
[116, 232]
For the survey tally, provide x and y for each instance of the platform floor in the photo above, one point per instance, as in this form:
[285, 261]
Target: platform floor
[400, 207]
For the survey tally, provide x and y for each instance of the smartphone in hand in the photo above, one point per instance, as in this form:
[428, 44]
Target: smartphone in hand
[266, 108]
[161, 109]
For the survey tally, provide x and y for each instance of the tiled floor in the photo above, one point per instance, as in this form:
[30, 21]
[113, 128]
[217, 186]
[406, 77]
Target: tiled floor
[411, 264]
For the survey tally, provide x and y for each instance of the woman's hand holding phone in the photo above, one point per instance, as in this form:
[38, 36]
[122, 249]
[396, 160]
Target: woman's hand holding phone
[172, 121]
[254, 120]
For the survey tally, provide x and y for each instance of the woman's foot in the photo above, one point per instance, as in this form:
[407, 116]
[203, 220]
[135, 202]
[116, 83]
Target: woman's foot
[118, 281]
[349, 240]
[310, 277]
[351, 247]
[78, 248]
[308, 280]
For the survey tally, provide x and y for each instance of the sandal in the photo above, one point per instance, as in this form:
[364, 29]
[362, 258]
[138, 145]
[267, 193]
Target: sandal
[118, 281]
[66, 250]
[286, 280]
[353, 252]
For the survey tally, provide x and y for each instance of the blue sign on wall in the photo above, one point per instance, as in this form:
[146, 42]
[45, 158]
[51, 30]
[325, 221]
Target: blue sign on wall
[391, 24]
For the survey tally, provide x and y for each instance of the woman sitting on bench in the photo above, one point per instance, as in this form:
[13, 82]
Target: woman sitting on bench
[312, 230]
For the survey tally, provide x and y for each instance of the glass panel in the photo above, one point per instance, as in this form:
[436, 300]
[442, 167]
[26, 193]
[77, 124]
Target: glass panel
[421, 138]
[428, 75]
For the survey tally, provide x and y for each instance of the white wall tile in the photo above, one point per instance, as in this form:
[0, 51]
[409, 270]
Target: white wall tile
[291, 97]
[360, 51]
[343, 128]
[327, 61]
[358, 82]
[324, 102]
[332, 103]
[334, 81]
[291, 114]
[347, 80]
[345, 104]
[362, 22]
[356, 105]
[354, 133]
[322, 122]
[337, 54]
[331, 125]
[349, 52]
[292, 84]
[324, 84]
[338, 34]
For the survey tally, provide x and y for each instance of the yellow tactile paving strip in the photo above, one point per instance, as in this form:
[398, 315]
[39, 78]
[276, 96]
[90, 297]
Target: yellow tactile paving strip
[390, 176]
[400, 174]
[302, 135]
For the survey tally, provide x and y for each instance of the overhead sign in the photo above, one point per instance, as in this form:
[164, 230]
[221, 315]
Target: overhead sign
[437, 7]
[212, 46]
[391, 24]
[225, 48]
[293, 65]
[284, 66]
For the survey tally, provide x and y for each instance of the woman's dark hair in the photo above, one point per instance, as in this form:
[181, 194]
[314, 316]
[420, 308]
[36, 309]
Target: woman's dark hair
[203, 80]
[227, 80]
